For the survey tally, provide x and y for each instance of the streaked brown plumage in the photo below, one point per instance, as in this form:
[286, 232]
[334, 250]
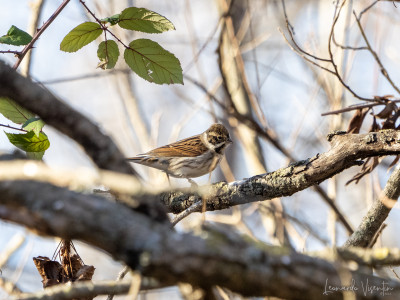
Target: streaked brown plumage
[191, 157]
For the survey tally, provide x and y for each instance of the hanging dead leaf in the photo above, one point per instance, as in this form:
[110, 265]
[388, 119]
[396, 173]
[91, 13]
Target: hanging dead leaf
[71, 269]
[390, 122]
[387, 111]
[49, 270]
[357, 120]
[85, 273]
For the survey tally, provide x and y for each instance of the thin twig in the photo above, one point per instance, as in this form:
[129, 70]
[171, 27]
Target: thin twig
[375, 55]
[39, 33]
[335, 67]
[121, 276]
[355, 107]
[301, 52]
[367, 8]
[17, 53]
[290, 30]
[194, 208]
[13, 128]
[377, 234]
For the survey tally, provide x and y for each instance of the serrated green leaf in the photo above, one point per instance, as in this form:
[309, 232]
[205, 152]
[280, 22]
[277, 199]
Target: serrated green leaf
[80, 36]
[112, 20]
[14, 112]
[35, 155]
[16, 37]
[152, 62]
[108, 54]
[34, 124]
[144, 20]
[29, 142]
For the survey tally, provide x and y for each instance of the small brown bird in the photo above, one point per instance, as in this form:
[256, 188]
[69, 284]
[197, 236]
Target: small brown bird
[191, 157]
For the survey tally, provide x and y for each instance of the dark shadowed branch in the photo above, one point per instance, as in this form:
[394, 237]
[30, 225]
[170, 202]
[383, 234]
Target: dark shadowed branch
[100, 148]
[77, 290]
[377, 214]
[171, 257]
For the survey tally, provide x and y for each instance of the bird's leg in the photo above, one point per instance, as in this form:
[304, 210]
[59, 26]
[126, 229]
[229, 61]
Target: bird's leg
[169, 181]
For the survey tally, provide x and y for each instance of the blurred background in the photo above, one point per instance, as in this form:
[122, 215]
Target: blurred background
[269, 85]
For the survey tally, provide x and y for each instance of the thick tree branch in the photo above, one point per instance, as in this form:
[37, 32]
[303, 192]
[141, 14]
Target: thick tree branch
[371, 257]
[100, 148]
[377, 214]
[158, 251]
[346, 151]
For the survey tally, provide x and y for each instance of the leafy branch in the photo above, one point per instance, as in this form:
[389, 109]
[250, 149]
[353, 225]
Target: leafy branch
[143, 56]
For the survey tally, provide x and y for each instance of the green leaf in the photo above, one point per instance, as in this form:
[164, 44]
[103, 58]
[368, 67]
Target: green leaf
[152, 62]
[14, 112]
[16, 37]
[112, 20]
[80, 36]
[144, 20]
[34, 124]
[108, 54]
[35, 155]
[29, 142]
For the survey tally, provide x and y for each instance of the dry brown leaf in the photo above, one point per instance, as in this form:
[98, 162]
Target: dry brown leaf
[85, 273]
[357, 120]
[387, 111]
[49, 270]
[390, 122]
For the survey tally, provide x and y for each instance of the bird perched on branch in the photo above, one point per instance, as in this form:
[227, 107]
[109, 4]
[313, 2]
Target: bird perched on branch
[191, 157]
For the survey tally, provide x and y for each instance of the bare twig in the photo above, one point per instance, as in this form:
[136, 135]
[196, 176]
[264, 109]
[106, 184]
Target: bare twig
[121, 276]
[333, 63]
[39, 33]
[375, 55]
[17, 53]
[310, 57]
[13, 128]
[194, 208]
[355, 107]
[367, 8]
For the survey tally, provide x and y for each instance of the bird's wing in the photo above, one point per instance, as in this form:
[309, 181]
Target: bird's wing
[191, 147]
